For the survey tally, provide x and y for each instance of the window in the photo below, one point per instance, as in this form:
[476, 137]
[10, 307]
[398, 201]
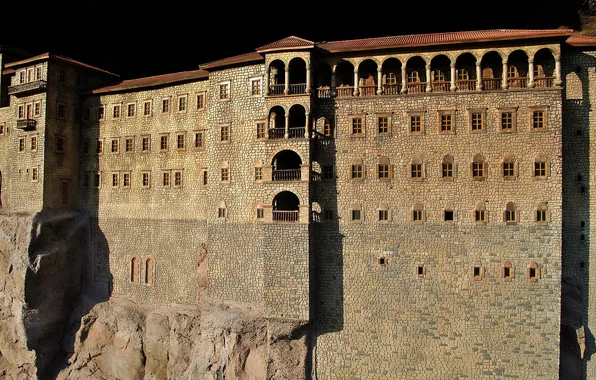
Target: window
[130, 110]
[115, 145]
[383, 125]
[99, 147]
[35, 174]
[62, 75]
[477, 121]
[126, 179]
[416, 123]
[462, 74]
[201, 101]
[382, 261]
[446, 122]
[327, 171]
[135, 270]
[146, 179]
[204, 175]
[149, 271]
[390, 78]
[413, 77]
[447, 167]
[97, 180]
[508, 271]
[507, 120]
[327, 128]
[416, 168]
[258, 174]
[225, 174]
[180, 139]
[198, 139]
[145, 143]
[224, 133]
[60, 144]
[533, 273]
[418, 213]
[21, 144]
[478, 168]
[224, 91]
[384, 168]
[22, 77]
[328, 214]
[115, 179]
[356, 214]
[100, 113]
[177, 178]
[438, 76]
[255, 86]
[163, 142]
[182, 99]
[37, 109]
[477, 272]
[512, 72]
[78, 79]
[511, 214]
[165, 178]
[147, 108]
[420, 270]
[61, 111]
[64, 197]
[542, 216]
[538, 119]
[261, 130]
[448, 215]
[129, 144]
[357, 171]
[541, 166]
[221, 211]
[165, 105]
[34, 143]
[2, 129]
[383, 215]
[116, 111]
[260, 212]
[21, 111]
[509, 166]
[357, 126]
[86, 114]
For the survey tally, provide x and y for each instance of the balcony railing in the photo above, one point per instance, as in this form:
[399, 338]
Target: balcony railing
[391, 89]
[345, 91]
[542, 82]
[277, 133]
[466, 85]
[323, 92]
[286, 175]
[299, 88]
[518, 82]
[27, 88]
[441, 86]
[26, 124]
[491, 83]
[296, 132]
[286, 216]
[277, 89]
[368, 90]
[416, 88]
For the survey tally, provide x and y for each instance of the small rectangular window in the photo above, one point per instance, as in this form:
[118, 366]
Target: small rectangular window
[541, 216]
[182, 99]
[357, 171]
[64, 196]
[506, 121]
[2, 129]
[178, 178]
[198, 140]
[180, 139]
[224, 135]
[416, 170]
[258, 174]
[420, 270]
[448, 215]
[539, 169]
[37, 109]
[100, 113]
[357, 126]
[200, 101]
[165, 178]
[327, 171]
[478, 169]
[60, 144]
[225, 174]
[383, 215]
[261, 130]
[165, 106]
[99, 147]
[510, 216]
[328, 214]
[126, 179]
[116, 111]
[115, 179]
[383, 125]
[416, 124]
[260, 213]
[35, 174]
[21, 144]
[417, 215]
[538, 122]
[383, 171]
[224, 91]
[477, 121]
[61, 111]
[129, 144]
[146, 179]
[147, 108]
[204, 177]
[508, 169]
[145, 143]
[356, 215]
[446, 123]
[163, 143]
[255, 87]
[115, 145]
[130, 110]
[34, 144]
[97, 180]
[447, 170]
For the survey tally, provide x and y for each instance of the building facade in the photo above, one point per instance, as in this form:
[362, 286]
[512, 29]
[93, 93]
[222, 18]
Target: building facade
[416, 199]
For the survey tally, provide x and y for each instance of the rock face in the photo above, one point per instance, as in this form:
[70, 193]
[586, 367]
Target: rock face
[52, 326]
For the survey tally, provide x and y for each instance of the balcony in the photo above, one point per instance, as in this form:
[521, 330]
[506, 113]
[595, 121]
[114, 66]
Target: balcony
[391, 89]
[441, 86]
[276, 89]
[368, 90]
[518, 82]
[286, 216]
[345, 91]
[286, 175]
[491, 83]
[27, 88]
[542, 82]
[416, 87]
[466, 85]
[26, 124]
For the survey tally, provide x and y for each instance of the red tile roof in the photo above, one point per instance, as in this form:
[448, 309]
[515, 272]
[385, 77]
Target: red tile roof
[581, 40]
[414, 40]
[288, 42]
[55, 57]
[154, 81]
[243, 58]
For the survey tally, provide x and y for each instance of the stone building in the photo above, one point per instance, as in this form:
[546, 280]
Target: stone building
[417, 200]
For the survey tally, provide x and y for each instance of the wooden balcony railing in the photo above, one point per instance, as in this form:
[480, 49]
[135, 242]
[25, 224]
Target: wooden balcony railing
[518, 82]
[277, 89]
[367, 90]
[286, 175]
[543, 82]
[324, 92]
[286, 216]
[298, 88]
[391, 89]
[277, 133]
[416, 88]
[26, 124]
[345, 91]
[27, 88]
[296, 132]
[466, 85]
[491, 83]
[441, 86]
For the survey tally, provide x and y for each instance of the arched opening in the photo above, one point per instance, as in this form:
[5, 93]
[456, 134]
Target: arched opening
[286, 207]
[544, 68]
[277, 79]
[509, 167]
[367, 71]
[447, 166]
[135, 270]
[322, 80]
[391, 76]
[277, 122]
[416, 74]
[297, 68]
[478, 168]
[344, 75]
[286, 166]
[492, 71]
[517, 70]
[297, 121]
[417, 215]
[465, 72]
[480, 213]
[510, 215]
[149, 271]
[441, 73]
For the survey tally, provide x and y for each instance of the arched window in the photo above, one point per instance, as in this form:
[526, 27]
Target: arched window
[480, 213]
[418, 214]
[260, 211]
[135, 270]
[462, 74]
[390, 78]
[413, 77]
[508, 271]
[356, 171]
[384, 168]
[487, 73]
[478, 168]
[448, 167]
[533, 273]
[417, 169]
[224, 172]
[149, 271]
[541, 166]
[222, 211]
[542, 215]
[512, 71]
[511, 215]
[509, 168]
[438, 76]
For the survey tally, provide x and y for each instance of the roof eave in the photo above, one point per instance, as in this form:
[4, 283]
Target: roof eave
[287, 48]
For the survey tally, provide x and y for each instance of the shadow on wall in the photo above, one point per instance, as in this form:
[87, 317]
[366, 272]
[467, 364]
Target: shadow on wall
[577, 343]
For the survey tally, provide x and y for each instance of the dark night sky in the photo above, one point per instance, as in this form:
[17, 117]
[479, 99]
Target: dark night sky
[136, 39]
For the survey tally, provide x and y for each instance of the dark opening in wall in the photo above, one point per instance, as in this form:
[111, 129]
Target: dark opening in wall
[449, 215]
[507, 272]
[477, 272]
[420, 270]
[382, 261]
[582, 264]
[582, 189]
[582, 237]
[579, 178]
[582, 224]
[578, 132]
[532, 272]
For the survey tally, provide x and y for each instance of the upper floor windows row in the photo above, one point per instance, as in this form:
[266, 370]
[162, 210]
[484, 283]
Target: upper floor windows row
[30, 74]
[254, 88]
[143, 143]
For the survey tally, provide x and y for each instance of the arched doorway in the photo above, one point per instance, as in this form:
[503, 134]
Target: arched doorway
[286, 207]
